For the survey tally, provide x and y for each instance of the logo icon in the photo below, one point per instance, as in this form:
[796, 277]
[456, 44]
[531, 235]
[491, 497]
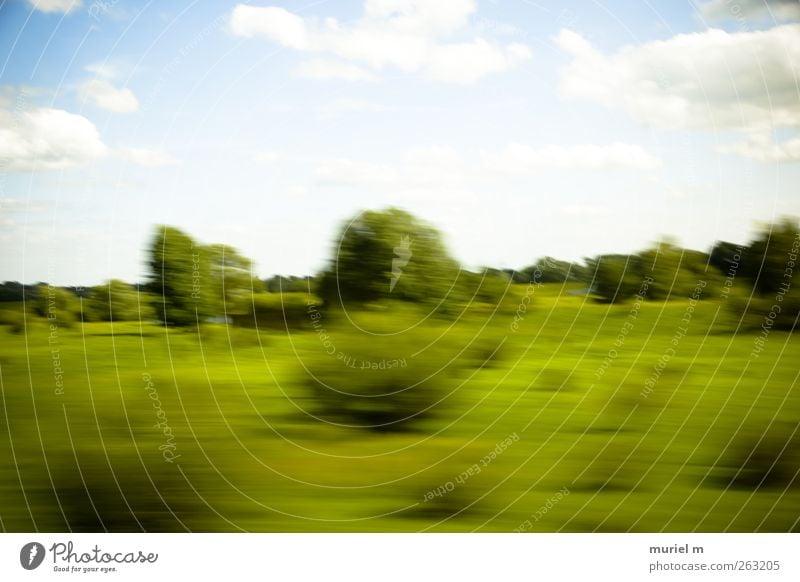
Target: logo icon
[31, 555]
[402, 254]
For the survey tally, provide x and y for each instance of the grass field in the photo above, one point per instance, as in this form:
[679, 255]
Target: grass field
[558, 420]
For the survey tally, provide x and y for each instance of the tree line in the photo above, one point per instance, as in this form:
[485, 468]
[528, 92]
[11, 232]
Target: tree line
[393, 255]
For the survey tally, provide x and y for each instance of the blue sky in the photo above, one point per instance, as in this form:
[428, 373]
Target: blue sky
[520, 129]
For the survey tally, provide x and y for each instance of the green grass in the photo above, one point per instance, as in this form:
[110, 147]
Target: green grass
[252, 455]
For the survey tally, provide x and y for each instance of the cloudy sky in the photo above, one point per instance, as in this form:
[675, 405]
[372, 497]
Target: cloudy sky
[519, 128]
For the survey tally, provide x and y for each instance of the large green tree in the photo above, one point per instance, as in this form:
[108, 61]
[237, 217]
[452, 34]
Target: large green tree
[231, 278]
[117, 301]
[193, 282]
[767, 257]
[616, 277]
[388, 254]
[179, 277]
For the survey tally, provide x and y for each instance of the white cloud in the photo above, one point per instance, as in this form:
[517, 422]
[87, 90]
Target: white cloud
[53, 139]
[711, 80]
[276, 23]
[346, 172]
[403, 34]
[47, 139]
[442, 171]
[347, 106]
[104, 95]
[583, 210]
[148, 158]
[774, 9]
[468, 62]
[524, 159]
[267, 157]
[11, 206]
[325, 70]
[759, 146]
[436, 156]
[64, 6]
[102, 70]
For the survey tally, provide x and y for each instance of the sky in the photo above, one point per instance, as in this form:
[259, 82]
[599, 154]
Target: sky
[520, 129]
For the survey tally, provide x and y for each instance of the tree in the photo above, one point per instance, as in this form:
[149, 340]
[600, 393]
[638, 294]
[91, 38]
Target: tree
[291, 284]
[616, 277]
[549, 270]
[180, 278]
[194, 282]
[388, 254]
[231, 278]
[771, 265]
[15, 291]
[675, 271]
[116, 301]
[60, 306]
[727, 257]
[767, 256]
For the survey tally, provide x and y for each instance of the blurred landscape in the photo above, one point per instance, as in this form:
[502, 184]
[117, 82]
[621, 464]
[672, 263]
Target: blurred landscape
[398, 391]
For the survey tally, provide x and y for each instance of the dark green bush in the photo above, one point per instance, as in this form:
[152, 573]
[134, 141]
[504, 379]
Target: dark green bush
[274, 311]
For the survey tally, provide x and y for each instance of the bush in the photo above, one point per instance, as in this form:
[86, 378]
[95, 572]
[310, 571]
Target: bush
[274, 310]
[57, 304]
[391, 381]
[761, 460]
[13, 317]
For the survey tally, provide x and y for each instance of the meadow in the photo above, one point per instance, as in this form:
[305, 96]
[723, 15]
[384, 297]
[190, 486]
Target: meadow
[548, 412]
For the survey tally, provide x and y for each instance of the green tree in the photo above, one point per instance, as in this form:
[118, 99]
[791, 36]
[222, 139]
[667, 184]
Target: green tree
[771, 264]
[675, 270]
[60, 306]
[180, 278]
[616, 277]
[388, 254]
[766, 258]
[549, 270]
[230, 278]
[117, 301]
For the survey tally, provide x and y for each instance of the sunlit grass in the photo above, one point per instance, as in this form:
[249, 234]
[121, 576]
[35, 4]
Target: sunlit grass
[249, 451]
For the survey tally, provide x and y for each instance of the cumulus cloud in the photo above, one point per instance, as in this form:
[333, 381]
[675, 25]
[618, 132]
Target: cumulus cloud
[105, 96]
[761, 147]
[583, 210]
[325, 70]
[48, 139]
[12, 206]
[347, 172]
[148, 158]
[348, 106]
[53, 139]
[64, 6]
[728, 10]
[524, 159]
[102, 70]
[267, 157]
[711, 80]
[442, 168]
[409, 35]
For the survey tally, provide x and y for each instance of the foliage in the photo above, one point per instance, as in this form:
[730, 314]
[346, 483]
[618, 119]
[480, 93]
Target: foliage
[770, 299]
[291, 284]
[117, 301]
[274, 310]
[367, 374]
[388, 254]
[194, 282]
[60, 306]
[616, 277]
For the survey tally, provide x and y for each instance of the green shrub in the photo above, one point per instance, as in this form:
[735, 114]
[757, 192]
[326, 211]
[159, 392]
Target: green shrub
[390, 381]
[762, 459]
[274, 311]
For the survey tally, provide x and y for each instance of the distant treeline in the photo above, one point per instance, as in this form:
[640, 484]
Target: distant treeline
[392, 255]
